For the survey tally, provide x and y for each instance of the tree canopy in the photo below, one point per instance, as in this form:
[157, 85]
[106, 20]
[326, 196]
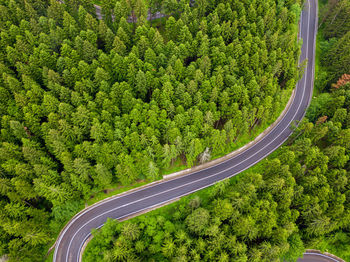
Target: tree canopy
[87, 103]
[335, 28]
[297, 199]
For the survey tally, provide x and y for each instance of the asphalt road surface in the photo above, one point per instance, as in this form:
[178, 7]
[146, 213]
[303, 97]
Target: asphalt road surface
[315, 257]
[72, 238]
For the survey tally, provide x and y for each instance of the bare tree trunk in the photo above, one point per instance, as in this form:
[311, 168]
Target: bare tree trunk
[133, 16]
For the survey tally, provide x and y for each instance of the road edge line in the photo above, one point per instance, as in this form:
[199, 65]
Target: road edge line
[237, 151]
[186, 171]
[318, 252]
[86, 242]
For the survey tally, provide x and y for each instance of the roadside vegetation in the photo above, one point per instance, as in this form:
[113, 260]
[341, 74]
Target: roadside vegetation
[333, 14]
[87, 105]
[299, 198]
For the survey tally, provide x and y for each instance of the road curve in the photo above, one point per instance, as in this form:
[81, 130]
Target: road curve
[74, 235]
[317, 257]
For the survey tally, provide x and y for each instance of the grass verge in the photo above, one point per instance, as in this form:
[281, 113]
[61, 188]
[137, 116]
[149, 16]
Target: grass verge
[178, 166]
[96, 2]
[113, 190]
[204, 195]
[167, 211]
[337, 244]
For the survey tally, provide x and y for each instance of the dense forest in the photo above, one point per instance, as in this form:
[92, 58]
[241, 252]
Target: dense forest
[86, 102]
[335, 42]
[299, 198]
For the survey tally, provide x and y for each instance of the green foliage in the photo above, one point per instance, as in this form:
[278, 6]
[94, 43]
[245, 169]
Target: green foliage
[335, 27]
[336, 243]
[338, 57]
[198, 220]
[87, 103]
[62, 213]
[300, 199]
[336, 19]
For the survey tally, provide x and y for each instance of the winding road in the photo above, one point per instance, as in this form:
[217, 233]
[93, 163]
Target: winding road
[73, 237]
[318, 257]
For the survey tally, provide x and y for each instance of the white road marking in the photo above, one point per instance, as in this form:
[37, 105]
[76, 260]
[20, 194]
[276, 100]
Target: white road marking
[197, 171]
[321, 255]
[130, 203]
